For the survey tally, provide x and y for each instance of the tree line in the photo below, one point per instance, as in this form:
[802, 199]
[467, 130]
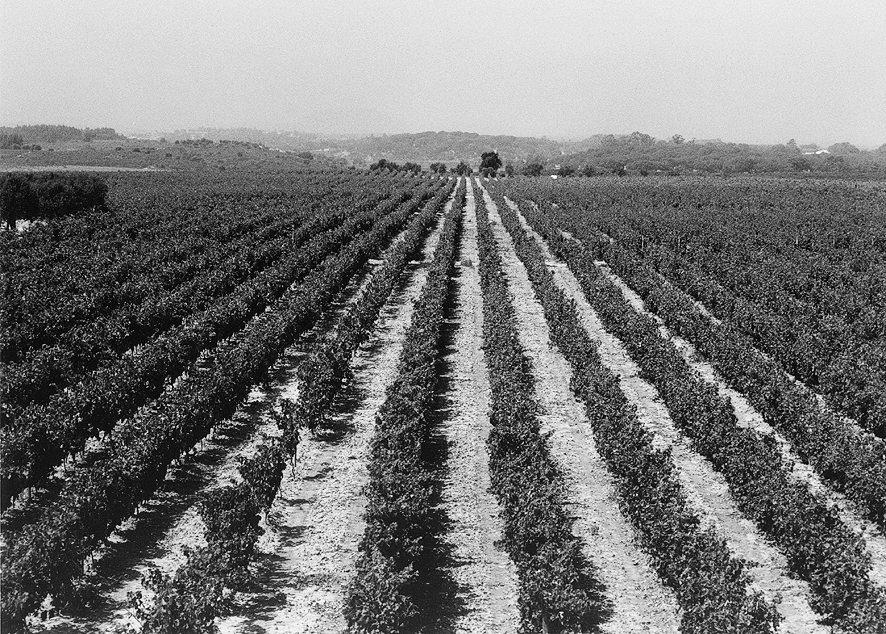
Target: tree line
[642, 154]
[48, 196]
[16, 137]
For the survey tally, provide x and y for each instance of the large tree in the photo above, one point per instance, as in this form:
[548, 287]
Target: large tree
[17, 200]
[490, 161]
[843, 148]
[533, 169]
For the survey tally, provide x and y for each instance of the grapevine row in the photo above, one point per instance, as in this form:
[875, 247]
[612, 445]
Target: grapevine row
[854, 463]
[819, 547]
[821, 312]
[820, 243]
[322, 373]
[851, 374]
[712, 587]
[113, 270]
[192, 597]
[80, 350]
[556, 584]
[105, 261]
[203, 587]
[401, 534]
[46, 557]
[44, 434]
[83, 347]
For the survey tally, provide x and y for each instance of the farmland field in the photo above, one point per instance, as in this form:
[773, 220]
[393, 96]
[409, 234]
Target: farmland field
[323, 400]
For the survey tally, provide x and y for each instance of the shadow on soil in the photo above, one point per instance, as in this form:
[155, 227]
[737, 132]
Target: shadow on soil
[439, 597]
[447, 601]
[436, 594]
[273, 573]
[138, 542]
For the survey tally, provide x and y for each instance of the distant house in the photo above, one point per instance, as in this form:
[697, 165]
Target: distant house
[817, 152]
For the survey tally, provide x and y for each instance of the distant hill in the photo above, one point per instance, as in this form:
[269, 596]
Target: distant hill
[280, 140]
[421, 147]
[454, 146]
[639, 153]
[634, 153]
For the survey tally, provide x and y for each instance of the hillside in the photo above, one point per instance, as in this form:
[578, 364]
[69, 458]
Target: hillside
[421, 147]
[640, 153]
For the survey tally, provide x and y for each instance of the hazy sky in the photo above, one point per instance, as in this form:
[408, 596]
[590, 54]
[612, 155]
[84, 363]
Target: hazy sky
[744, 70]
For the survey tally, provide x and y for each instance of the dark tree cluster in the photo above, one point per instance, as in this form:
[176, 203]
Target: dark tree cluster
[490, 163]
[391, 166]
[10, 141]
[533, 169]
[33, 134]
[463, 169]
[438, 168]
[196, 142]
[48, 196]
[642, 154]
[16, 142]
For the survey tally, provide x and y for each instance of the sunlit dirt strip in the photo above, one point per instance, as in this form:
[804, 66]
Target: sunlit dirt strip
[316, 522]
[640, 602]
[749, 417]
[171, 521]
[95, 446]
[485, 575]
[705, 488]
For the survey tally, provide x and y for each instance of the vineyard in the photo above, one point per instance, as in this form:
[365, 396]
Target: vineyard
[322, 400]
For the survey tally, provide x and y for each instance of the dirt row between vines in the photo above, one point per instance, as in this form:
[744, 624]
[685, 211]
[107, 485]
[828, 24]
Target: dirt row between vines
[847, 510]
[640, 602]
[309, 548]
[749, 417]
[485, 575]
[169, 523]
[316, 522]
[705, 488]
[823, 405]
[310, 542]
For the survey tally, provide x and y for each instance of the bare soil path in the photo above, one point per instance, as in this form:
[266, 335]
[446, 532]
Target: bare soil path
[171, 522]
[749, 417]
[484, 575]
[316, 522]
[640, 602]
[705, 488]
